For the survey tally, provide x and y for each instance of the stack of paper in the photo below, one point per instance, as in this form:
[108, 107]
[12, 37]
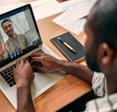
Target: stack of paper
[80, 8]
[70, 23]
[71, 19]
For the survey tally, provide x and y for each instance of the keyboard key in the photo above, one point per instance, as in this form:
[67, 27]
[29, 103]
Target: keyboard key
[9, 81]
[7, 75]
[7, 78]
[11, 84]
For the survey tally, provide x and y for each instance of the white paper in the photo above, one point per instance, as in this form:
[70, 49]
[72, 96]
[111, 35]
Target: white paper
[37, 3]
[46, 10]
[70, 23]
[71, 19]
[80, 8]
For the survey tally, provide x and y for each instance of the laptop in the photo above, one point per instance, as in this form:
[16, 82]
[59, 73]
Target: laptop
[19, 38]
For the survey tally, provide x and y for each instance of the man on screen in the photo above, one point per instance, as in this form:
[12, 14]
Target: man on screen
[16, 42]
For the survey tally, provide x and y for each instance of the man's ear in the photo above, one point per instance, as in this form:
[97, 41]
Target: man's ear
[104, 55]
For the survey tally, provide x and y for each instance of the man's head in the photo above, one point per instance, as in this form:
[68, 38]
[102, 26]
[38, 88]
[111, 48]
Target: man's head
[7, 27]
[101, 30]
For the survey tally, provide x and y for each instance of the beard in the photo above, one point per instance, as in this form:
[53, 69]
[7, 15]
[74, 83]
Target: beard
[92, 63]
[10, 33]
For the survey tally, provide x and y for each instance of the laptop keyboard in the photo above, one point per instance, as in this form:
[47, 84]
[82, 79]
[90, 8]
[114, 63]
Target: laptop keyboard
[7, 75]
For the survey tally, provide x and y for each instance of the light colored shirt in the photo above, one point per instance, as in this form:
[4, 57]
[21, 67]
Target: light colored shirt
[99, 85]
[16, 45]
[103, 104]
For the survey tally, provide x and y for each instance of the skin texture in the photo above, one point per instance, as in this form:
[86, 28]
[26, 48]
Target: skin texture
[42, 62]
[24, 76]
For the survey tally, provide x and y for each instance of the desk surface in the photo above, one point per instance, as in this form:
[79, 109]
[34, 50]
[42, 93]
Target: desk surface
[7, 2]
[68, 89]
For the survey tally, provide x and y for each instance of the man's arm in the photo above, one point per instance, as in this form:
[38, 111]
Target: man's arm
[45, 63]
[78, 70]
[24, 76]
[24, 100]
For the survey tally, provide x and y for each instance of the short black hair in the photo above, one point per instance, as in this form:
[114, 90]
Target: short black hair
[102, 21]
[5, 20]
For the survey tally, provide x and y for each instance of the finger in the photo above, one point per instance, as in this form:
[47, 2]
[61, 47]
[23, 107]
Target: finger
[14, 71]
[22, 62]
[38, 64]
[14, 74]
[17, 62]
[27, 63]
[38, 53]
[37, 58]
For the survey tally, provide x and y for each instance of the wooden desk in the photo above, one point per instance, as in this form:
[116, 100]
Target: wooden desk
[66, 90]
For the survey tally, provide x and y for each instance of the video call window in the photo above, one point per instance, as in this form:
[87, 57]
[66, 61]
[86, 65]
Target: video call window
[17, 33]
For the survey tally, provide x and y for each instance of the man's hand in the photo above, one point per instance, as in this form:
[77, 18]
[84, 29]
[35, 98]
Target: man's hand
[23, 74]
[42, 62]
[45, 63]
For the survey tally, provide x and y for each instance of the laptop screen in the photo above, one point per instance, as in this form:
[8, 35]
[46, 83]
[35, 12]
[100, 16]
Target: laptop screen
[18, 34]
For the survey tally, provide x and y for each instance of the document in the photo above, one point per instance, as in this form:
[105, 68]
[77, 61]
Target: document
[73, 17]
[80, 8]
[71, 23]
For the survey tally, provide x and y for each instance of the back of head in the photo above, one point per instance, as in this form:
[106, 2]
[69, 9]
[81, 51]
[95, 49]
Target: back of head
[103, 22]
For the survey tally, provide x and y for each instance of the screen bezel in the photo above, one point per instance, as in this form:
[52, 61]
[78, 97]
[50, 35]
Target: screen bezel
[11, 13]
